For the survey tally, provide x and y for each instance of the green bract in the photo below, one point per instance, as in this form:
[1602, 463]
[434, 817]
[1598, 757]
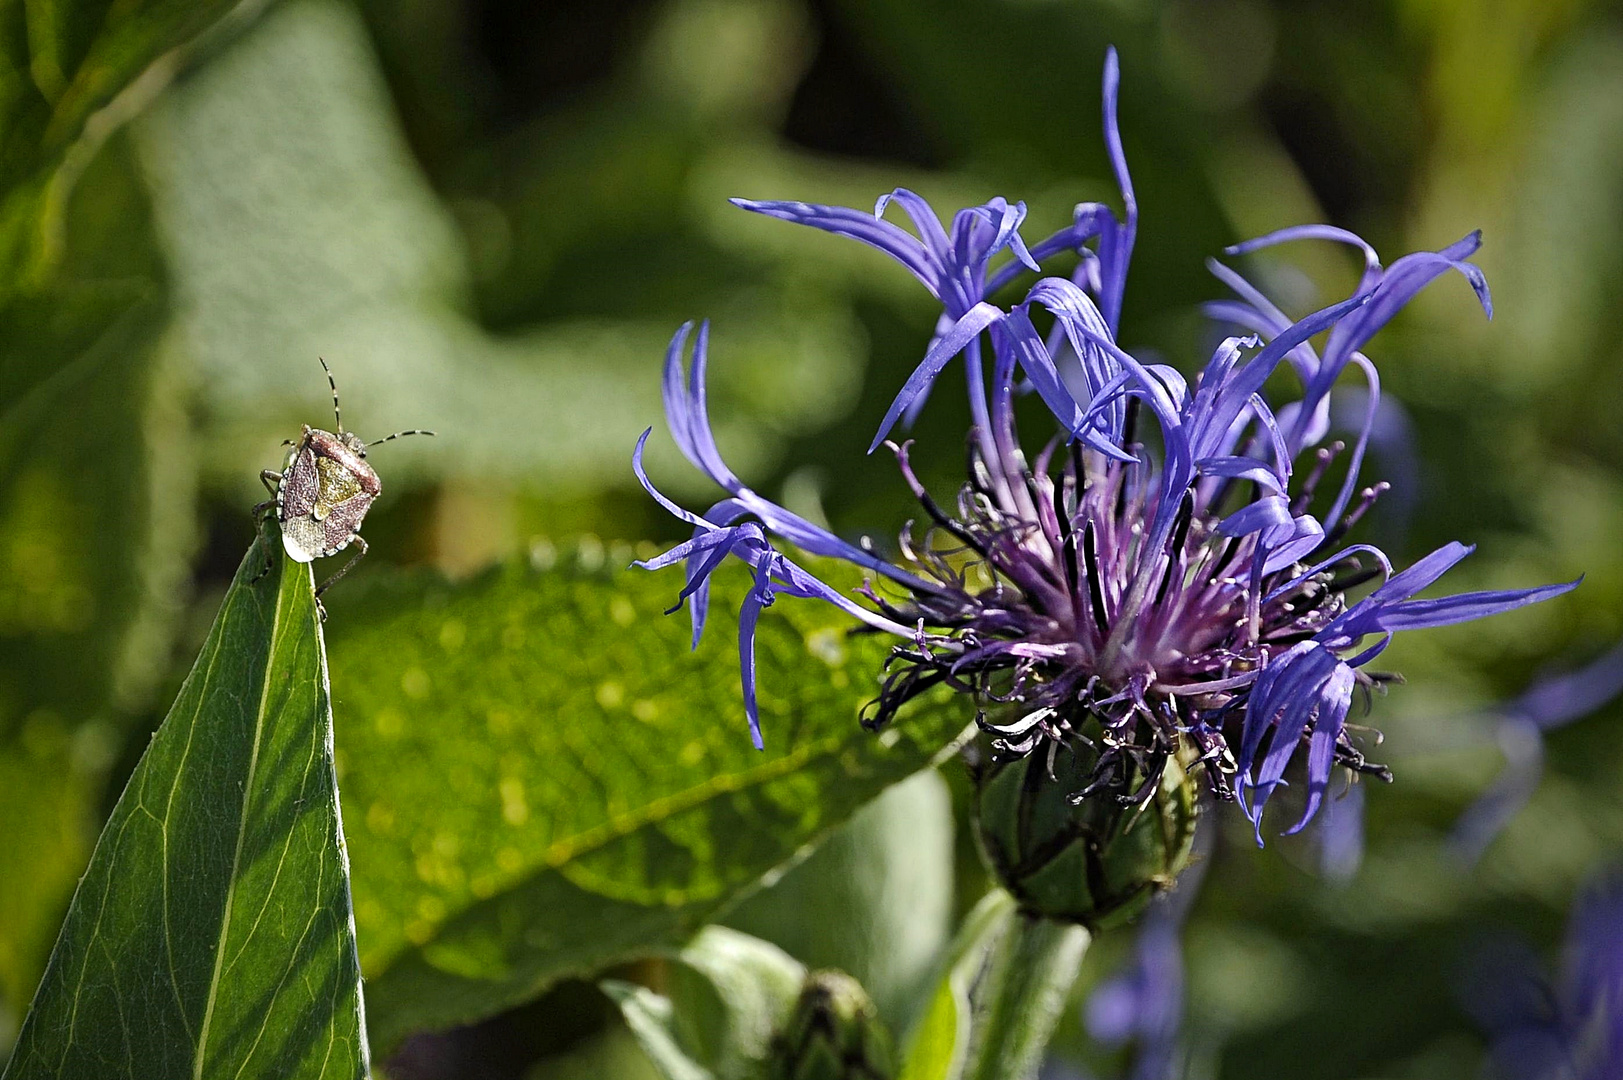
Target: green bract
[1097, 862]
[833, 1034]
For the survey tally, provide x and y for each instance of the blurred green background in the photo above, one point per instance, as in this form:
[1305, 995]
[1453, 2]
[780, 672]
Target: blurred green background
[489, 216]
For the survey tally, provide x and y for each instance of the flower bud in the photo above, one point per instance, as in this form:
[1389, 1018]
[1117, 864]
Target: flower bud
[1095, 860]
[832, 1034]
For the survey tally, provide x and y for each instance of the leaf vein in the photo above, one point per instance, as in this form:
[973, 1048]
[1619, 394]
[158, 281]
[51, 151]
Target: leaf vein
[242, 833]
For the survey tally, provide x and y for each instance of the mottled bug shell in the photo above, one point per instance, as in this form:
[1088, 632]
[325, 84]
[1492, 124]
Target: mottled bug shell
[325, 491]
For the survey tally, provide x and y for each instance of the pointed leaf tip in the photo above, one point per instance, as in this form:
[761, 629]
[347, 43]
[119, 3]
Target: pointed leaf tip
[213, 931]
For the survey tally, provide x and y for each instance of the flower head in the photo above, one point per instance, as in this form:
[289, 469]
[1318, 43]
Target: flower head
[1165, 567]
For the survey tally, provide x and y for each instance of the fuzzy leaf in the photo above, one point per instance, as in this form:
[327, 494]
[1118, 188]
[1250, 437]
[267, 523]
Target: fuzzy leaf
[212, 935]
[546, 781]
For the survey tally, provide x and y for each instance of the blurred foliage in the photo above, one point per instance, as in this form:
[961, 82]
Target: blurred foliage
[71, 73]
[489, 215]
[97, 492]
[295, 223]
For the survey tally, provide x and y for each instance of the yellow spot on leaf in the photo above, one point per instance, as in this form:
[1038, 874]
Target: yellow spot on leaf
[515, 810]
[380, 818]
[414, 683]
[828, 645]
[389, 723]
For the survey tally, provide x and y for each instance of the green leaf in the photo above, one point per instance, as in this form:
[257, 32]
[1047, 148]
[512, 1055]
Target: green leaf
[70, 72]
[730, 994]
[546, 781]
[1021, 997]
[754, 983]
[212, 935]
[938, 1046]
[46, 803]
[889, 873]
[652, 1020]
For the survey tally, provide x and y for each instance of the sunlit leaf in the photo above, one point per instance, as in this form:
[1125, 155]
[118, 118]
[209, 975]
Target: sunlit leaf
[212, 935]
[545, 781]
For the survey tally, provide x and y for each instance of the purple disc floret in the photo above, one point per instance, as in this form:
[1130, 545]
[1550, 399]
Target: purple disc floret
[1167, 566]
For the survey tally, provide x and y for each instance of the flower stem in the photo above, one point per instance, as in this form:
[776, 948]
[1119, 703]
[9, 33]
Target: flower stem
[1032, 972]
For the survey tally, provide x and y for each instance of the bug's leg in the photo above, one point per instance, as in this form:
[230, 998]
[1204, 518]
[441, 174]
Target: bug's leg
[264, 512]
[346, 568]
[272, 481]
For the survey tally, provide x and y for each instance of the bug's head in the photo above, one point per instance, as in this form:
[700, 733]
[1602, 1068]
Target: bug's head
[353, 441]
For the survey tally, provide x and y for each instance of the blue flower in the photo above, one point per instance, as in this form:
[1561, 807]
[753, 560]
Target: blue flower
[1572, 1030]
[1550, 703]
[1143, 1004]
[1193, 599]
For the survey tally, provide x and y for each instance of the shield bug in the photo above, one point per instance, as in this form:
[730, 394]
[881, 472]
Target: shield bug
[322, 493]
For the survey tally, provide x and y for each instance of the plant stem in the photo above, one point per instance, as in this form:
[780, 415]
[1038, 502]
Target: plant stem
[1032, 972]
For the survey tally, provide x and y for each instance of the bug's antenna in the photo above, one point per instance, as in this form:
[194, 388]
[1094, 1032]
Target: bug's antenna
[338, 422]
[399, 435]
